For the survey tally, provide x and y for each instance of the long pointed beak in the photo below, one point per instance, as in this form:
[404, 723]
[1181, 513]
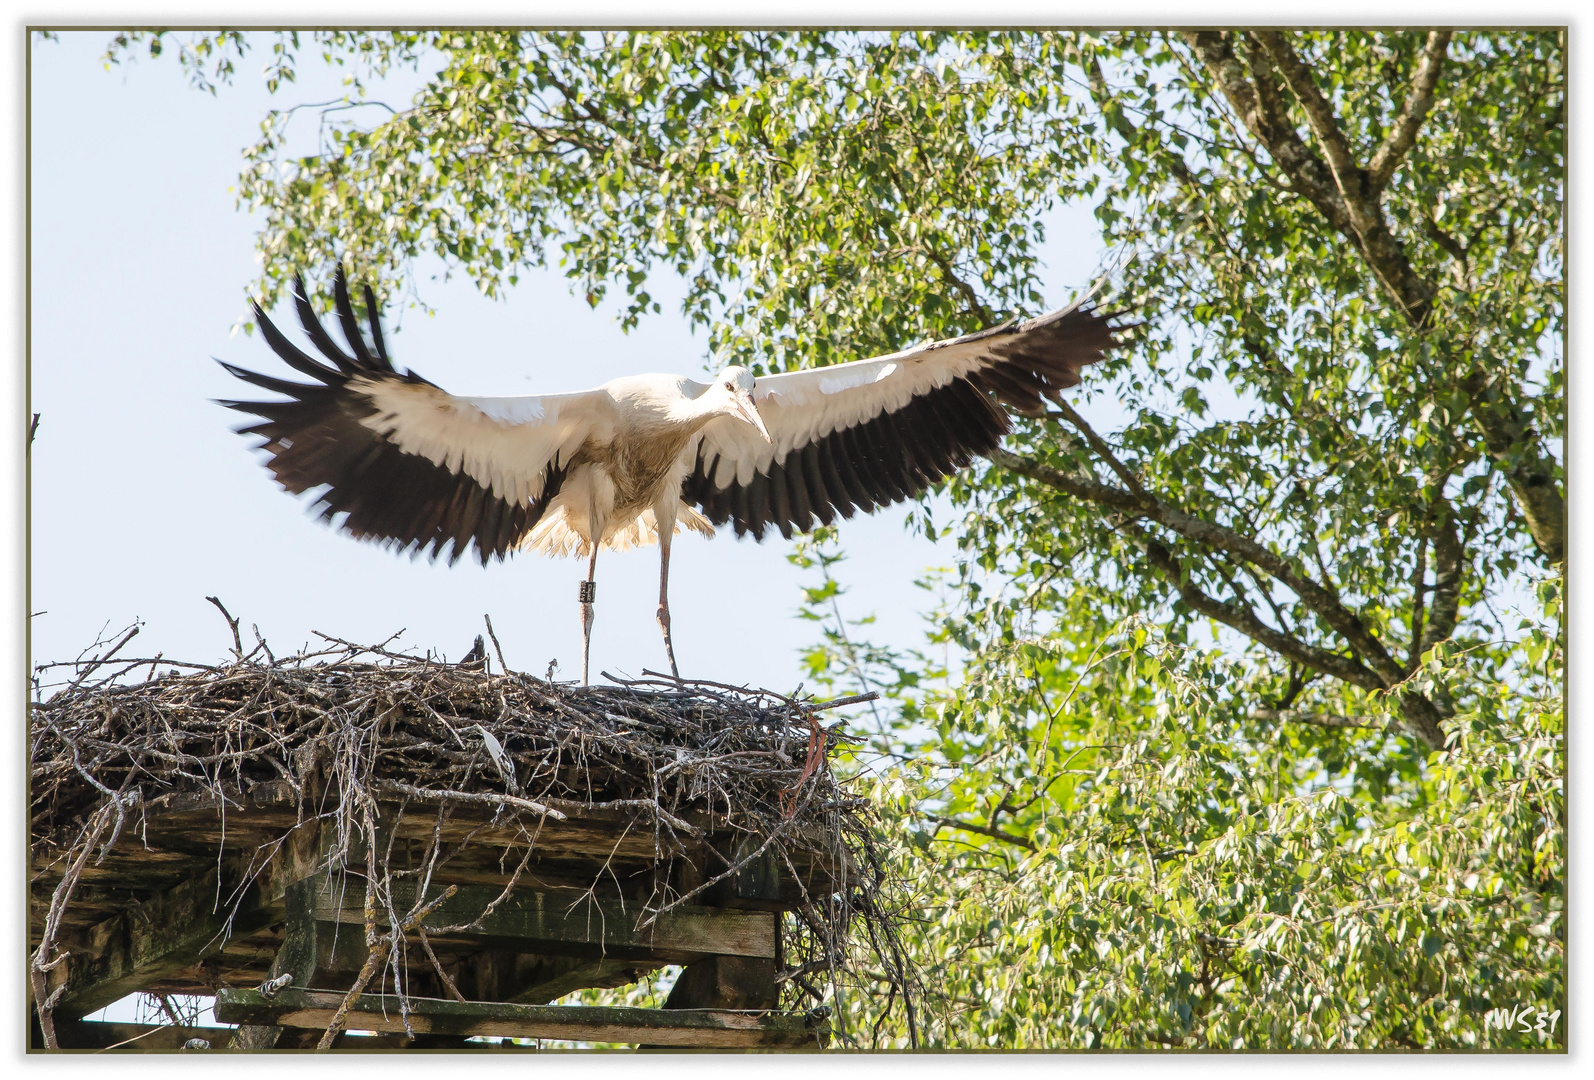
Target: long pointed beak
[748, 411]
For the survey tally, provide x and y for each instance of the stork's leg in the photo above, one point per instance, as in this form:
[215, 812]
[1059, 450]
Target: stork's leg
[589, 593]
[664, 597]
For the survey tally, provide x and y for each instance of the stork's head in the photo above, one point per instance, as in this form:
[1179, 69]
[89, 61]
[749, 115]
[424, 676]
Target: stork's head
[734, 386]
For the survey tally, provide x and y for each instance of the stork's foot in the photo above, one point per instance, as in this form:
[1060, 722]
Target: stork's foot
[669, 646]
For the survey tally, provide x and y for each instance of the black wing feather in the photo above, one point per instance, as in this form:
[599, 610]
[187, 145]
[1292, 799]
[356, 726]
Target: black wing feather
[314, 439]
[376, 327]
[897, 455]
[351, 325]
[316, 332]
[290, 353]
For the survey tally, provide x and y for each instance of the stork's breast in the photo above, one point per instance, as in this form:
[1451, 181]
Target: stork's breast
[643, 466]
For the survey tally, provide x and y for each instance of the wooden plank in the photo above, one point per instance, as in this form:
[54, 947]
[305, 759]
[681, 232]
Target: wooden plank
[299, 956]
[521, 978]
[697, 1028]
[582, 845]
[533, 921]
[482, 975]
[595, 833]
[107, 1035]
[103, 1035]
[177, 928]
[195, 819]
[299, 858]
[184, 840]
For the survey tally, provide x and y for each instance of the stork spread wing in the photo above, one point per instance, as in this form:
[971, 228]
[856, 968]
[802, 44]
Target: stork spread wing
[408, 464]
[865, 434]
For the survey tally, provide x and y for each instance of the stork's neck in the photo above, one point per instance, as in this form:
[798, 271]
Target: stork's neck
[697, 404]
[650, 405]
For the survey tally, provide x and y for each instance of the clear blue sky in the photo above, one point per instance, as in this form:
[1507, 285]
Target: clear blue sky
[145, 502]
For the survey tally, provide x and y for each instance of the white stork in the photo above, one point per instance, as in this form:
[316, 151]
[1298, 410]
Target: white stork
[412, 466]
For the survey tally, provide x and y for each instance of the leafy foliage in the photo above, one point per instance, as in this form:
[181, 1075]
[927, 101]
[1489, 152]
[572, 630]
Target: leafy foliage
[1109, 852]
[1257, 741]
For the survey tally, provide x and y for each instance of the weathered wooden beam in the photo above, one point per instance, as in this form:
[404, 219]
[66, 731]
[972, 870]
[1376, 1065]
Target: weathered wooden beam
[600, 833]
[481, 974]
[520, 978]
[292, 880]
[538, 922]
[301, 857]
[697, 1028]
[105, 1035]
[150, 941]
[730, 982]
[557, 976]
[726, 982]
[112, 1035]
[298, 957]
[737, 982]
[757, 883]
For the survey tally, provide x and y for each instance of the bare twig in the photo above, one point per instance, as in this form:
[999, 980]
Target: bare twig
[836, 703]
[503, 667]
[232, 624]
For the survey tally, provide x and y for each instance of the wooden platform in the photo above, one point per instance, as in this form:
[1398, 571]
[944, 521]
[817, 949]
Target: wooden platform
[696, 1028]
[207, 899]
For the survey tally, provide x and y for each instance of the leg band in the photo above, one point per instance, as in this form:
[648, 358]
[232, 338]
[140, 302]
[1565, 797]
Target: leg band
[589, 592]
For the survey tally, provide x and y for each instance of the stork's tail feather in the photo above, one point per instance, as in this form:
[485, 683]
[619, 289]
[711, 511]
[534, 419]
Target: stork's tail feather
[557, 535]
[691, 519]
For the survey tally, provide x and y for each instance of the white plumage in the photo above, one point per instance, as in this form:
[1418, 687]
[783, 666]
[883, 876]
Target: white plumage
[402, 462]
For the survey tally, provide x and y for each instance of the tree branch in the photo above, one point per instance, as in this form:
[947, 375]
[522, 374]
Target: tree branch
[1512, 445]
[1357, 196]
[1245, 621]
[1327, 720]
[1319, 599]
[1349, 179]
[1418, 712]
[970, 296]
[1403, 135]
[1460, 267]
[995, 834]
[1113, 113]
[1419, 591]
[1422, 719]
[1099, 445]
[1449, 559]
[1351, 206]
[1261, 110]
[1379, 672]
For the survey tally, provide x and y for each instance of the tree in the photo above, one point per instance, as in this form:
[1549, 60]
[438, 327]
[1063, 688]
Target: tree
[1334, 459]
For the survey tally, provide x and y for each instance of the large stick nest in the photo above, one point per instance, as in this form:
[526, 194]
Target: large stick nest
[678, 759]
